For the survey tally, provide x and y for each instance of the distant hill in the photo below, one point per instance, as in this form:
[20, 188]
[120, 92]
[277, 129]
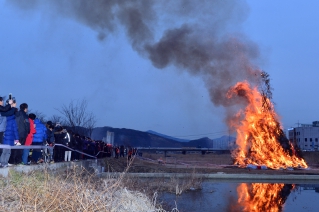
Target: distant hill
[201, 143]
[169, 137]
[129, 137]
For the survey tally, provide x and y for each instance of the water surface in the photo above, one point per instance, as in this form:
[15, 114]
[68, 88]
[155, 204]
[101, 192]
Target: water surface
[237, 196]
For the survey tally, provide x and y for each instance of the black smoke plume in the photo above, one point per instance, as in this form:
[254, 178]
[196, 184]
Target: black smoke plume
[200, 37]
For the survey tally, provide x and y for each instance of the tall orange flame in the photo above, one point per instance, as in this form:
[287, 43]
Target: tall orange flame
[258, 131]
[262, 196]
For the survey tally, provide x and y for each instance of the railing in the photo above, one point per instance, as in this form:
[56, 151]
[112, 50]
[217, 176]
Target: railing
[3, 146]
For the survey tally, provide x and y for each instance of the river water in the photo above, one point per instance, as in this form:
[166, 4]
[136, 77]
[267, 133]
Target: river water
[238, 196]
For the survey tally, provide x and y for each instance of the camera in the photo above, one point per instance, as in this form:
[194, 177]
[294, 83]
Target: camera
[12, 98]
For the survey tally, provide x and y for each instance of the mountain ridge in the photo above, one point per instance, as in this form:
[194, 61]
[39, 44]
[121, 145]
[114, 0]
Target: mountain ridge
[131, 137]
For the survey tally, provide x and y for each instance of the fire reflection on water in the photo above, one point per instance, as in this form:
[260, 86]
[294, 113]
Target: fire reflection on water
[257, 197]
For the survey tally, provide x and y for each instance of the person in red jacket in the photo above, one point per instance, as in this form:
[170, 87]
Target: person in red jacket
[29, 139]
[129, 155]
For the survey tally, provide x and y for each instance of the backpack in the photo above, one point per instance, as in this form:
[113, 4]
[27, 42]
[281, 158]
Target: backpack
[3, 123]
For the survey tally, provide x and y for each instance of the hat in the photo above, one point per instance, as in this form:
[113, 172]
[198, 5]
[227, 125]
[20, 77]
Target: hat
[58, 128]
[49, 123]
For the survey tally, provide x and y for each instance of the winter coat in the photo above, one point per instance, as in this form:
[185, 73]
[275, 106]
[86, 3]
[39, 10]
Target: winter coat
[78, 143]
[50, 136]
[85, 144]
[5, 108]
[3, 119]
[41, 132]
[23, 124]
[29, 140]
[73, 142]
[91, 146]
[3, 123]
[11, 134]
[62, 138]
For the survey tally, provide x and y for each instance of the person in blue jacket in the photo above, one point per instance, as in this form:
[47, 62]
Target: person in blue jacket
[11, 135]
[39, 138]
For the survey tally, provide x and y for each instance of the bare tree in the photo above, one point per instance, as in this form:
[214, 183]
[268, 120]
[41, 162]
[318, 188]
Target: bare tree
[91, 121]
[39, 115]
[56, 119]
[77, 117]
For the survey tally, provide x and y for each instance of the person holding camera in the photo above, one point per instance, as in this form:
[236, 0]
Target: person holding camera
[11, 135]
[7, 107]
[3, 119]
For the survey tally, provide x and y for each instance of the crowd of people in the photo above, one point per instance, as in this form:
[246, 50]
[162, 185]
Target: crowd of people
[17, 128]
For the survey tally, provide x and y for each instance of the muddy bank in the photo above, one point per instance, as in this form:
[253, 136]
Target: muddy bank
[202, 164]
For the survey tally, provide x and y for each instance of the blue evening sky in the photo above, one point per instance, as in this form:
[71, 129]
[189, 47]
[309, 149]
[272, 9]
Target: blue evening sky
[46, 60]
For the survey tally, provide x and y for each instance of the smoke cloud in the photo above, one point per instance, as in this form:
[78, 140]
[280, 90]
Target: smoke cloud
[199, 37]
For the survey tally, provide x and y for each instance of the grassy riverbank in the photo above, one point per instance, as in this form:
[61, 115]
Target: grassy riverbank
[205, 164]
[70, 190]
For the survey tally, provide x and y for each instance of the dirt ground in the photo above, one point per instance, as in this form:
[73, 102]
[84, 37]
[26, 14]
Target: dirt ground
[209, 163]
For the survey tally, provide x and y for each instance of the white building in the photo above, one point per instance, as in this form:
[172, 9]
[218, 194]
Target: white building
[109, 139]
[306, 136]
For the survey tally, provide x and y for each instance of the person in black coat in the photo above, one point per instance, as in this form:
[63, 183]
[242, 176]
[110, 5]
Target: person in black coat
[50, 140]
[78, 146]
[59, 139]
[23, 123]
[7, 107]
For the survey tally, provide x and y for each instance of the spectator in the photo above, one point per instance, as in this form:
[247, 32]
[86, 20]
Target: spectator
[58, 157]
[11, 135]
[91, 147]
[108, 148]
[50, 140]
[23, 124]
[67, 142]
[85, 146]
[3, 119]
[122, 151]
[7, 107]
[29, 139]
[99, 149]
[117, 152]
[62, 138]
[39, 138]
[78, 146]
[129, 155]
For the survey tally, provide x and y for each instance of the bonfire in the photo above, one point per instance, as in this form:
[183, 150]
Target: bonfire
[260, 138]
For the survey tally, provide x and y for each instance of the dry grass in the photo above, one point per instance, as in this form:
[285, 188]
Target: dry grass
[70, 190]
[174, 184]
